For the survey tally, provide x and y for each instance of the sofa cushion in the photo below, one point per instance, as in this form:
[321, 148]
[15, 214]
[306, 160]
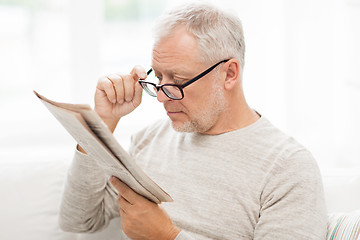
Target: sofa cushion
[30, 198]
[344, 226]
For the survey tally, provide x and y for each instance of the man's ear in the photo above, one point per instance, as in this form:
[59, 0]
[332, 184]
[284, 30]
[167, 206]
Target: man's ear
[233, 74]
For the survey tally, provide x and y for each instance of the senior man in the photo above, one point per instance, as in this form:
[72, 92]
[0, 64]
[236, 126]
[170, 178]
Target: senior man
[232, 174]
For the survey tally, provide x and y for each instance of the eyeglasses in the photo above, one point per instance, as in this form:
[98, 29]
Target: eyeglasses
[173, 91]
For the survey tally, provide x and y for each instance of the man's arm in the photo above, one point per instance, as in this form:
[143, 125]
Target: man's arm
[89, 201]
[292, 201]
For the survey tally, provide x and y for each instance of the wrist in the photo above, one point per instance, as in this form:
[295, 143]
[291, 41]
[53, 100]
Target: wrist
[172, 234]
[111, 123]
[80, 149]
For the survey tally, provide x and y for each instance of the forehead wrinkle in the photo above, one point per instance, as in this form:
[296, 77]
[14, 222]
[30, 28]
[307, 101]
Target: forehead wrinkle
[173, 63]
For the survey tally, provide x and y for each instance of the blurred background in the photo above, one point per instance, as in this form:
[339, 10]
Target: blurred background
[302, 69]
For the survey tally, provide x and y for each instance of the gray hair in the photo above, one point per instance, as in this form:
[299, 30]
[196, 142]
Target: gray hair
[219, 34]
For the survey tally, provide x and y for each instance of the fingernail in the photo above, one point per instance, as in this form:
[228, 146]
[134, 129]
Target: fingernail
[128, 99]
[142, 75]
[121, 101]
[111, 179]
[113, 101]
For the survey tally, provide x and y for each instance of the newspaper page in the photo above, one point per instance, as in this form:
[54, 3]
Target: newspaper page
[92, 134]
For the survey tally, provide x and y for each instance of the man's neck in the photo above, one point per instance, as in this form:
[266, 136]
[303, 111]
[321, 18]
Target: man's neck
[235, 117]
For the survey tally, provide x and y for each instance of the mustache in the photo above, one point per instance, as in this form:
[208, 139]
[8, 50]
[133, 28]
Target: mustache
[169, 108]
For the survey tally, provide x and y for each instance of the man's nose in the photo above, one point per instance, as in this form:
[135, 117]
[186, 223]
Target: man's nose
[161, 97]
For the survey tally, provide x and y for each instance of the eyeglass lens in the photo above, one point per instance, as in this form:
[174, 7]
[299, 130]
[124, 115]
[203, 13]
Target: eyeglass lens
[171, 91]
[150, 89]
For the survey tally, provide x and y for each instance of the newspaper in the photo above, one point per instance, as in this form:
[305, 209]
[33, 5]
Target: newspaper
[93, 135]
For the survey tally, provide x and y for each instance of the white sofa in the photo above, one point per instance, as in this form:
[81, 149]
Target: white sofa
[31, 191]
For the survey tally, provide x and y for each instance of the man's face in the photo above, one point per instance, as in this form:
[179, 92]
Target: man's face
[175, 61]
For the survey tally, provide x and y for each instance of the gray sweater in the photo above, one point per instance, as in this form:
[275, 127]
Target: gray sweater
[252, 183]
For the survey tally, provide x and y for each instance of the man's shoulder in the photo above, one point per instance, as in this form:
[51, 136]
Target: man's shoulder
[275, 143]
[286, 152]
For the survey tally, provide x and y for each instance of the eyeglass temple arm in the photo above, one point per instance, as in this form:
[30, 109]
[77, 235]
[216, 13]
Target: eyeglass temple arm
[203, 73]
[148, 72]
[197, 77]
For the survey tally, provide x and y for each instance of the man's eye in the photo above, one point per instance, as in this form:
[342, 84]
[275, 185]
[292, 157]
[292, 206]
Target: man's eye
[178, 81]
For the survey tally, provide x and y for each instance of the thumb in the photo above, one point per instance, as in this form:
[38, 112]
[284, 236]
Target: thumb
[138, 72]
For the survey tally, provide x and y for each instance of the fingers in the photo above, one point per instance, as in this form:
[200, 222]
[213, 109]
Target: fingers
[124, 204]
[124, 191]
[106, 86]
[129, 88]
[138, 72]
[121, 87]
[118, 86]
[138, 94]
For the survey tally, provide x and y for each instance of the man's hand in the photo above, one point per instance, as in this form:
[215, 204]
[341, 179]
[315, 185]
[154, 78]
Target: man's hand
[140, 218]
[117, 95]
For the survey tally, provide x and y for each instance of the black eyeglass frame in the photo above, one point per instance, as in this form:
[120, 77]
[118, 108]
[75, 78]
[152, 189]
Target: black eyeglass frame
[180, 87]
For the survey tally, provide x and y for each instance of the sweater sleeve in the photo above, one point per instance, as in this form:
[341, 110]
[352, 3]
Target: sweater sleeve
[184, 236]
[292, 201]
[89, 201]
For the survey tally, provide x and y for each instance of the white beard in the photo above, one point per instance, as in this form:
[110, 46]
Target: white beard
[207, 117]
